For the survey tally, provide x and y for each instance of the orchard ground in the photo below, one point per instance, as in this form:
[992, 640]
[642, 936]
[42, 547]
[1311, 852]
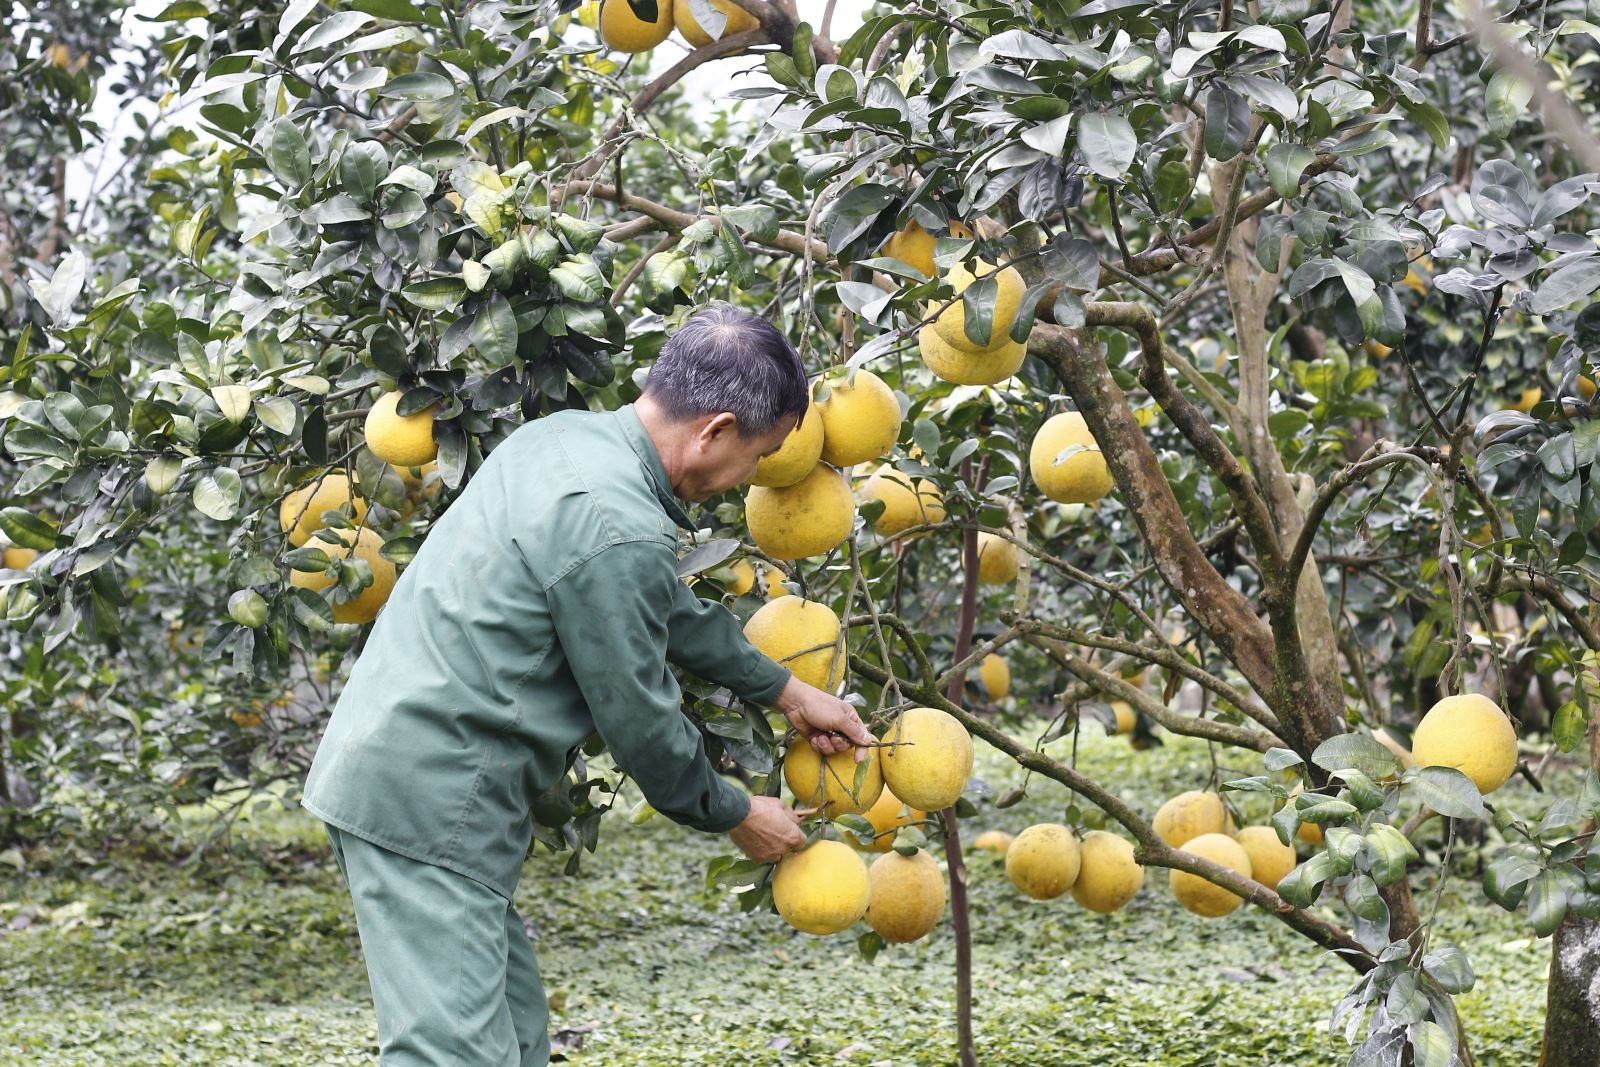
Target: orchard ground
[249, 957]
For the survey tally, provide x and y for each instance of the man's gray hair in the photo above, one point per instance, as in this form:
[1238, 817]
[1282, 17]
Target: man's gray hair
[724, 359]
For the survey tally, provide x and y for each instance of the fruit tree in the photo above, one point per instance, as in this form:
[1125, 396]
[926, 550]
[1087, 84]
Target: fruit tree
[1222, 370]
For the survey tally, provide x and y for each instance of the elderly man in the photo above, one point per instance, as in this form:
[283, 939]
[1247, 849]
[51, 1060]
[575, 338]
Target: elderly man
[542, 609]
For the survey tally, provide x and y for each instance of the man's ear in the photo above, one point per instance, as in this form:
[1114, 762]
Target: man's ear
[718, 425]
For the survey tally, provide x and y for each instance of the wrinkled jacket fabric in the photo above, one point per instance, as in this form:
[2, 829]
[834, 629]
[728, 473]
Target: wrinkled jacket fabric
[542, 608]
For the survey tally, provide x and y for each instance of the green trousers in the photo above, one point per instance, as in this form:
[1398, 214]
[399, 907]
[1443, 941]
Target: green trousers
[453, 975]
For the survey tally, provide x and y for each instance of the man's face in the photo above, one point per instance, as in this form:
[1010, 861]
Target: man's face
[719, 457]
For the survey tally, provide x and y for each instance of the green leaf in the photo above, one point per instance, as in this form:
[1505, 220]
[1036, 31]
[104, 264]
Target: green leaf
[1430, 1045]
[277, 413]
[419, 85]
[1279, 759]
[1388, 853]
[1285, 163]
[1449, 966]
[494, 330]
[1432, 121]
[1569, 727]
[1107, 142]
[1506, 101]
[216, 494]
[436, 294]
[1547, 903]
[26, 530]
[1447, 791]
[1361, 894]
[1356, 751]
[393, 10]
[580, 280]
[288, 158]
[977, 302]
[1571, 283]
[1227, 122]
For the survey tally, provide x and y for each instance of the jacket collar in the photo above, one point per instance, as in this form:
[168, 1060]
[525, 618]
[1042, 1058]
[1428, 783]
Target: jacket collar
[639, 440]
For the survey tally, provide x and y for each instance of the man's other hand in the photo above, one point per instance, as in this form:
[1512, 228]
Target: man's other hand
[770, 832]
[831, 725]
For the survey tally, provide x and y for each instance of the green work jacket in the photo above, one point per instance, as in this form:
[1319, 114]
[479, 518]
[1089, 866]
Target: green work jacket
[543, 607]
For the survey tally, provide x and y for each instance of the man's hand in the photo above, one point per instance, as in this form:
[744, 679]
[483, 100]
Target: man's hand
[770, 832]
[831, 725]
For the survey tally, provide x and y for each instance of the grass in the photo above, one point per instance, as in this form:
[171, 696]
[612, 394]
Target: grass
[250, 958]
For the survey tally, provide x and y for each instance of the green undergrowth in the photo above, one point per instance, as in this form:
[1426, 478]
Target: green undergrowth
[249, 956]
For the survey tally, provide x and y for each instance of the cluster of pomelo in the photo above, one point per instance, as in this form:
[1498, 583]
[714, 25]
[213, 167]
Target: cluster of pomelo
[406, 442]
[624, 30]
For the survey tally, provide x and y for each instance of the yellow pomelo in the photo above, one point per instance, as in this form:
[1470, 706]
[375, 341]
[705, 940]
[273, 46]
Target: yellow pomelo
[1188, 815]
[1043, 861]
[912, 245]
[738, 577]
[300, 514]
[772, 582]
[996, 841]
[1270, 859]
[1201, 896]
[739, 21]
[997, 560]
[951, 322]
[821, 889]
[403, 440]
[1527, 400]
[929, 759]
[906, 896]
[1586, 386]
[1376, 349]
[830, 782]
[800, 634]
[1108, 877]
[915, 246]
[888, 813]
[1080, 478]
[1415, 280]
[361, 544]
[860, 419]
[624, 31]
[1126, 717]
[907, 502]
[796, 458]
[964, 366]
[19, 559]
[808, 518]
[996, 675]
[1470, 733]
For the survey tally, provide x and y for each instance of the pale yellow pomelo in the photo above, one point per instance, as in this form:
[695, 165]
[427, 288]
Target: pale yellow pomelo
[300, 513]
[739, 21]
[772, 581]
[625, 31]
[1188, 815]
[1043, 861]
[403, 440]
[800, 634]
[19, 559]
[951, 322]
[906, 896]
[1108, 876]
[740, 577]
[808, 518]
[964, 366]
[996, 841]
[1527, 400]
[1270, 859]
[996, 675]
[821, 889]
[929, 759]
[888, 813]
[829, 782]
[796, 458]
[1127, 719]
[1470, 733]
[915, 246]
[1082, 477]
[997, 560]
[907, 502]
[361, 544]
[860, 419]
[1203, 897]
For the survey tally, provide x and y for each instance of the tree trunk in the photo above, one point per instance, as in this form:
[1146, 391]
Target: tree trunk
[1572, 1010]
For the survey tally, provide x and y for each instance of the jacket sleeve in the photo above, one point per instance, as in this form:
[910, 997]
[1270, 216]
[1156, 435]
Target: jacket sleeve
[611, 615]
[705, 638]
